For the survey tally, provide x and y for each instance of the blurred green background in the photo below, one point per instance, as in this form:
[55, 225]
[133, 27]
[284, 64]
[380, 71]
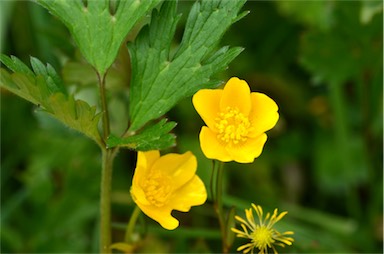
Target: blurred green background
[321, 61]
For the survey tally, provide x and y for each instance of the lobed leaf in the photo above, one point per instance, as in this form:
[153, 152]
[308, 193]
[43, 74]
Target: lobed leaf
[99, 27]
[43, 87]
[160, 80]
[15, 65]
[155, 137]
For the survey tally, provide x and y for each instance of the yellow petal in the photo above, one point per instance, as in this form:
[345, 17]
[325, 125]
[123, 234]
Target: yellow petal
[211, 147]
[191, 194]
[160, 214]
[263, 115]
[236, 94]
[137, 193]
[247, 152]
[207, 105]
[145, 160]
[179, 167]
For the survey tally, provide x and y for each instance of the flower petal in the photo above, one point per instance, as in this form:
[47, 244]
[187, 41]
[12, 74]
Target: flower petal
[211, 147]
[247, 152]
[137, 193]
[179, 167]
[160, 214]
[236, 94]
[191, 194]
[263, 115]
[145, 160]
[207, 105]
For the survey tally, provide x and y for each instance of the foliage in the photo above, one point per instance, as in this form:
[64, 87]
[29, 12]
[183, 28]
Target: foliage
[161, 78]
[155, 137]
[99, 27]
[43, 87]
[40, 178]
[321, 62]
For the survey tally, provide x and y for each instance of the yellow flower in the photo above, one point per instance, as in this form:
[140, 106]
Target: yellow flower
[166, 183]
[261, 234]
[236, 121]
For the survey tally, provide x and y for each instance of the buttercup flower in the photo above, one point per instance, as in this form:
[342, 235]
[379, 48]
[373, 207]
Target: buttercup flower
[166, 183]
[236, 121]
[262, 234]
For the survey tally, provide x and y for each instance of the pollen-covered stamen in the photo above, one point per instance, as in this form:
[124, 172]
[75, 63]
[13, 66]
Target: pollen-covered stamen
[262, 237]
[157, 188]
[232, 125]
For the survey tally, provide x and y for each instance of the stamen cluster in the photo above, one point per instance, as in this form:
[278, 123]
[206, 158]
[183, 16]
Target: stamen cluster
[262, 234]
[232, 126]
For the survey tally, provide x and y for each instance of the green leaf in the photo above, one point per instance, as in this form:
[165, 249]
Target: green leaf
[160, 79]
[99, 27]
[155, 137]
[44, 88]
[15, 65]
[23, 81]
[77, 114]
[53, 80]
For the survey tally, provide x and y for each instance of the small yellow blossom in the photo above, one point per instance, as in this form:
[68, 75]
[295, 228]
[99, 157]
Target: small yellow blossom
[166, 183]
[262, 234]
[236, 121]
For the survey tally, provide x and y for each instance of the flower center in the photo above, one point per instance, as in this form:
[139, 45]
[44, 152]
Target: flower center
[262, 237]
[157, 188]
[232, 126]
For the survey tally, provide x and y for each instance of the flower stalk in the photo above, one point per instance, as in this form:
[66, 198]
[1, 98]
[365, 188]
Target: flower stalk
[105, 200]
[131, 225]
[218, 202]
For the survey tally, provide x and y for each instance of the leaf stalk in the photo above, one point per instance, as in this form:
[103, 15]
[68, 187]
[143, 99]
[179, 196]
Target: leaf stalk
[104, 107]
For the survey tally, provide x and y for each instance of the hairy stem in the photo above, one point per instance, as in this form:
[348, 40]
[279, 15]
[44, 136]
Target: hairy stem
[105, 201]
[131, 225]
[106, 175]
[218, 203]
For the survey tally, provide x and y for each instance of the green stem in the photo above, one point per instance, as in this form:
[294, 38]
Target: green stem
[212, 182]
[105, 201]
[131, 225]
[218, 203]
[106, 175]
